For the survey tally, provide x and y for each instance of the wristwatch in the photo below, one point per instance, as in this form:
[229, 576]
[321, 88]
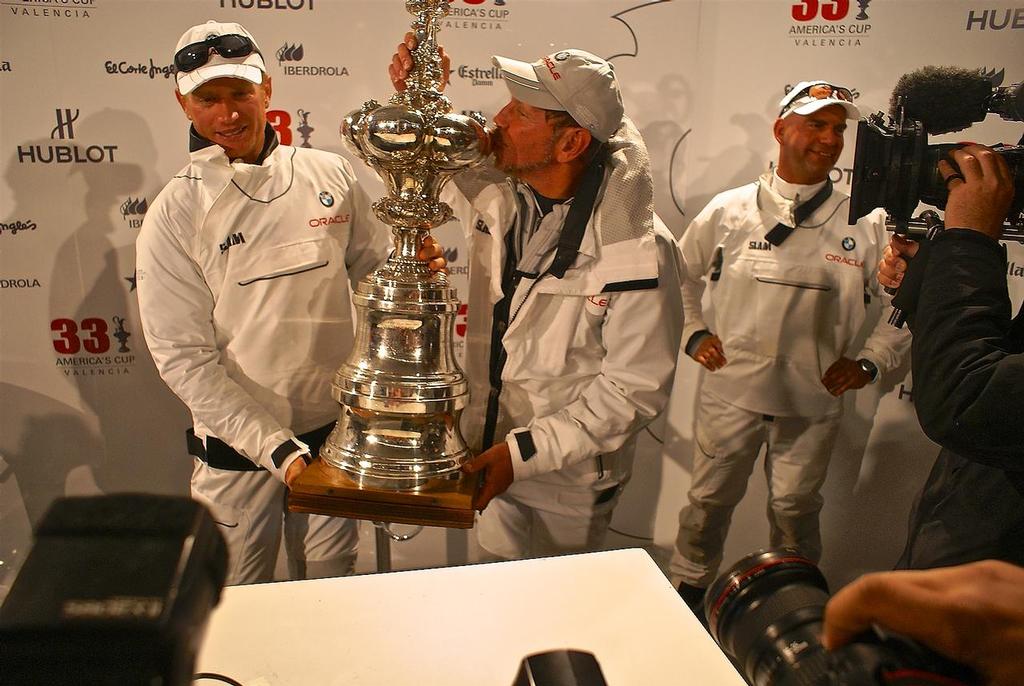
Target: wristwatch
[869, 367]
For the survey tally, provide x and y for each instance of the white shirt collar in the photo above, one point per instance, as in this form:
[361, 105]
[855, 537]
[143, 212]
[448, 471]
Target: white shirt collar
[794, 191]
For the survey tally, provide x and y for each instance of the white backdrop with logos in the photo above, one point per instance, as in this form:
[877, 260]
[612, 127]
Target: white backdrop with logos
[90, 132]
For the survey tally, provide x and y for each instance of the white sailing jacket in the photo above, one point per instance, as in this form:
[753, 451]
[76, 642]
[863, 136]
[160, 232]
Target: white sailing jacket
[785, 313]
[243, 275]
[590, 356]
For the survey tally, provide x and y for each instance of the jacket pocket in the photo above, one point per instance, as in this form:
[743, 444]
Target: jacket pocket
[783, 311]
[556, 336]
[281, 261]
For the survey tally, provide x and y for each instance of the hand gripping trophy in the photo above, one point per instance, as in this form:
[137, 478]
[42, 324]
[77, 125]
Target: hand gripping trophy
[401, 390]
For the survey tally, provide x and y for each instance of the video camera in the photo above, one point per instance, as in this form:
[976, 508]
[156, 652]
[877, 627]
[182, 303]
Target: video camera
[116, 590]
[894, 166]
[766, 613]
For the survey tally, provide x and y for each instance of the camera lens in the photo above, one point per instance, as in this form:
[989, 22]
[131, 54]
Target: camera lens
[766, 611]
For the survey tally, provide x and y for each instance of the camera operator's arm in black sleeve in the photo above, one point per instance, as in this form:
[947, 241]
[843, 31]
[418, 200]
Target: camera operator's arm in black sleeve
[967, 360]
[968, 351]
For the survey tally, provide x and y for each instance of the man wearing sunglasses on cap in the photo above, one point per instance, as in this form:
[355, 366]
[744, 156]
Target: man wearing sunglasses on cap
[243, 264]
[789, 280]
[573, 304]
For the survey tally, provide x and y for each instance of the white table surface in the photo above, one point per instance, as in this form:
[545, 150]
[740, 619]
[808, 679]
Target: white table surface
[468, 626]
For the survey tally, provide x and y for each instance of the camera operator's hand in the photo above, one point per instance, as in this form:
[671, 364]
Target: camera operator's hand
[972, 613]
[710, 353]
[981, 193]
[894, 260]
[402, 62]
[844, 375]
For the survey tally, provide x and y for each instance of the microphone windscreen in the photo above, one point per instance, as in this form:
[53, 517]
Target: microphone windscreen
[943, 99]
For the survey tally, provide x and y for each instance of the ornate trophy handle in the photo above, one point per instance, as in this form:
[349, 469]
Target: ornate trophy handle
[423, 91]
[416, 144]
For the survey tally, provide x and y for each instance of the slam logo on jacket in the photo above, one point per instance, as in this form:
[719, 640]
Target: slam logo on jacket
[233, 239]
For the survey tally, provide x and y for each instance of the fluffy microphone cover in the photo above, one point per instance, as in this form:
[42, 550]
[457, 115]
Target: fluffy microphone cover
[944, 99]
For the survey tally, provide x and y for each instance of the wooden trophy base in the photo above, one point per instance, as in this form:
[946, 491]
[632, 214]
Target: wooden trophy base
[324, 489]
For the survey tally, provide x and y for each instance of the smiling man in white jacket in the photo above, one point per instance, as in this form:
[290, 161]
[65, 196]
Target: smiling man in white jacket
[243, 263]
[790, 280]
[574, 305]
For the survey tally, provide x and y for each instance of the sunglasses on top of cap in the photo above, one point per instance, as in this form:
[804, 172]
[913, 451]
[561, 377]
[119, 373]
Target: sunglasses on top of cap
[228, 46]
[819, 91]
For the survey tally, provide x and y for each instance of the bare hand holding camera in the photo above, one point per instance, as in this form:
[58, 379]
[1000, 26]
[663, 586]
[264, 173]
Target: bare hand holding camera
[980, 193]
[971, 613]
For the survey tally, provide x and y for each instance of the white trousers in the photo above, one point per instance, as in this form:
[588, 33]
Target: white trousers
[727, 441]
[250, 510]
[536, 519]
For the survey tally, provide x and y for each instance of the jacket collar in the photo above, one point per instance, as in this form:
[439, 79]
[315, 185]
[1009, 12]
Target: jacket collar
[589, 241]
[797, 192]
[772, 203]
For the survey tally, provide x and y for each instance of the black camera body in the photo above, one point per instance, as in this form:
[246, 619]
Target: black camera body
[894, 166]
[116, 590]
[766, 613]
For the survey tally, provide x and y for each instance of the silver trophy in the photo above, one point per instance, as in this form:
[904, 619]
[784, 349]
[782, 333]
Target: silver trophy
[401, 390]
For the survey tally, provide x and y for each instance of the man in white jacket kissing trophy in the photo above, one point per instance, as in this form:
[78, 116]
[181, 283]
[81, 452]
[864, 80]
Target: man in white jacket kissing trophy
[574, 304]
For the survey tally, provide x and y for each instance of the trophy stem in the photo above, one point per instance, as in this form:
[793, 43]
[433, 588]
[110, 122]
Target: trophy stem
[407, 243]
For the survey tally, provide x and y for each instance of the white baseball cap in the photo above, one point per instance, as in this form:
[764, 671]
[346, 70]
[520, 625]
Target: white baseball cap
[573, 81]
[247, 65]
[810, 96]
